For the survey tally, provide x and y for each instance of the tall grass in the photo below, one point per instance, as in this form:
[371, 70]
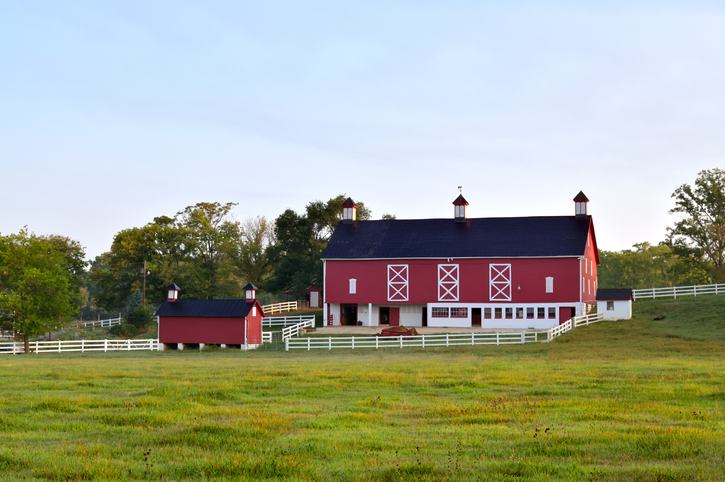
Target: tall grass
[636, 400]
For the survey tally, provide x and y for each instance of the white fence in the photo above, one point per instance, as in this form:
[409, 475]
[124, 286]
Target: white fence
[81, 346]
[284, 321]
[279, 307]
[447, 339]
[298, 329]
[103, 323]
[675, 291]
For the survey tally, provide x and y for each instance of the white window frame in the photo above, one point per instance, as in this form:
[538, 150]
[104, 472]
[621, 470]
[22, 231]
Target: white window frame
[448, 275]
[398, 282]
[499, 288]
[353, 286]
[549, 284]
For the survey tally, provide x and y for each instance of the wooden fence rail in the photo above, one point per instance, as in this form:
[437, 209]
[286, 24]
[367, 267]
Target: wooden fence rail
[82, 346]
[448, 339]
[675, 291]
[102, 323]
[284, 321]
[279, 307]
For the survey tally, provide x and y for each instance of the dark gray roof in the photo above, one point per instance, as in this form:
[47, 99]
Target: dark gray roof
[611, 294]
[475, 238]
[206, 308]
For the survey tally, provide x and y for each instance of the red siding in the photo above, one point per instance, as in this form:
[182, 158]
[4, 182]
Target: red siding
[528, 274]
[214, 331]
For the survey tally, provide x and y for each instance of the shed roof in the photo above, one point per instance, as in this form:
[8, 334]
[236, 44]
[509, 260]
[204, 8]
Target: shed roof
[614, 294]
[207, 308]
[545, 236]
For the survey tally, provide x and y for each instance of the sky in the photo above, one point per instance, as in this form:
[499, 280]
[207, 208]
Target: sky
[116, 112]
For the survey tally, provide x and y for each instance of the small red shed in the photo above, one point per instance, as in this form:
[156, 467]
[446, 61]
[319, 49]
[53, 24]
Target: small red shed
[195, 323]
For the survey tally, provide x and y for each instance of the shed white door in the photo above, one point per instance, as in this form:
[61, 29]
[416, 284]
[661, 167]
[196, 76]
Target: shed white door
[314, 299]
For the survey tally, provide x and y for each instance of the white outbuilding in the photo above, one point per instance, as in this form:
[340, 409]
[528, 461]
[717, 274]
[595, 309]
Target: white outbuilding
[616, 304]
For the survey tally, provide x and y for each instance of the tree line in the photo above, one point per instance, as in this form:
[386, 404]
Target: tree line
[45, 280]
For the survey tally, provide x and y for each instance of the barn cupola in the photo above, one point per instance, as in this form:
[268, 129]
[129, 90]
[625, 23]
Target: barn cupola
[580, 205]
[459, 209]
[250, 292]
[173, 293]
[349, 211]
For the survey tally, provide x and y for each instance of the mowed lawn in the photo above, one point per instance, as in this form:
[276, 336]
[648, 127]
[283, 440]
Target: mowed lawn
[638, 400]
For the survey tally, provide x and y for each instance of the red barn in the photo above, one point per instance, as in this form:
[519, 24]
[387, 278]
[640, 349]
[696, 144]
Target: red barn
[524, 272]
[232, 323]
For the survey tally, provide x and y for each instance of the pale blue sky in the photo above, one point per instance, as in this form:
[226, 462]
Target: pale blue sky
[112, 113]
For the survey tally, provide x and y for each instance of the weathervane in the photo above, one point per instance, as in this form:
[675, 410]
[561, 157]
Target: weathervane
[460, 189]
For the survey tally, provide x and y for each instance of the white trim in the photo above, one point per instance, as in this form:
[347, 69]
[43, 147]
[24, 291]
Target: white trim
[398, 275]
[499, 287]
[549, 284]
[448, 282]
[575, 256]
[352, 285]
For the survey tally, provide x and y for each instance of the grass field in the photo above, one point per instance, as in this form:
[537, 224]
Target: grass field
[637, 400]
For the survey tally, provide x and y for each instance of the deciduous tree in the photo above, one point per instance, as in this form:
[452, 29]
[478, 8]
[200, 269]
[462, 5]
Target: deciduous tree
[39, 282]
[700, 234]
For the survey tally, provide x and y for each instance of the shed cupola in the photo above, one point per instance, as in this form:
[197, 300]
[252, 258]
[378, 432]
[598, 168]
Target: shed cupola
[349, 211]
[459, 209]
[580, 205]
[250, 292]
[173, 293]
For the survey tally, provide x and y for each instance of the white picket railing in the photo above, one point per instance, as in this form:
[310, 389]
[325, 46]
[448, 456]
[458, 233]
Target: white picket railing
[61, 346]
[417, 341]
[447, 339]
[266, 337]
[102, 323]
[675, 291]
[284, 321]
[279, 307]
[298, 329]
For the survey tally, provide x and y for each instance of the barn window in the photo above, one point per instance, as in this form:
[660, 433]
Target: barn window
[529, 312]
[610, 305]
[439, 312]
[549, 284]
[459, 312]
[552, 312]
[497, 312]
[447, 282]
[540, 312]
[254, 310]
[487, 313]
[519, 312]
[509, 312]
[397, 282]
[353, 286]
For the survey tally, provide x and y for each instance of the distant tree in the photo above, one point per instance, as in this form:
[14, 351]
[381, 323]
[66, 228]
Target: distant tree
[193, 249]
[249, 253]
[647, 266]
[300, 241]
[39, 282]
[388, 216]
[700, 235]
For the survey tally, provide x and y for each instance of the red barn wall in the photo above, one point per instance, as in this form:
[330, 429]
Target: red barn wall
[254, 325]
[215, 331]
[527, 273]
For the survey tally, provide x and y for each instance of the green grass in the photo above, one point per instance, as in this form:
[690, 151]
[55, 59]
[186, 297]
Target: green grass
[637, 400]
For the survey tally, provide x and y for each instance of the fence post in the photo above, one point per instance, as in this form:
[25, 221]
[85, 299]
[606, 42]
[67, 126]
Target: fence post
[329, 341]
[308, 343]
[473, 339]
[446, 339]
[36, 347]
[423, 341]
[401, 341]
[523, 337]
[695, 287]
[59, 350]
[105, 345]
